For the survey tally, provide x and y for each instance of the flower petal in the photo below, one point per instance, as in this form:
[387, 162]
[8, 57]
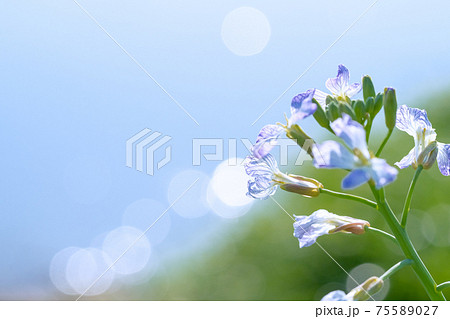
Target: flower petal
[407, 160]
[332, 154]
[337, 295]
[302, 106]
[266, 140]
[321, 97]
[308, 228]
[410, 120]
[260, 166]
[352, 133]
[338, 84]
[353, 89]
[261, 171]
[443, 158]
[355, 178]
[258, 191]
[382, 173]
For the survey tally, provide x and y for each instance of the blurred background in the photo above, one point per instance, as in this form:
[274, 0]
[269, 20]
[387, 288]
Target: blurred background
[70, 98]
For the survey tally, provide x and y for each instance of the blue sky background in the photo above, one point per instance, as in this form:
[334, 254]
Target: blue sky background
[70, 98]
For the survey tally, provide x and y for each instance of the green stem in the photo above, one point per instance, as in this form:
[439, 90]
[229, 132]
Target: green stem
[383, 144]
[442, 286]
[407, 205]
[407, 247]
[395, 268]
[350, 197]
[368, 128]
[385, 234]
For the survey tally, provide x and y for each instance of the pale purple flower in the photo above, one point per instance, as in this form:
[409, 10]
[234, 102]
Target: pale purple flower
[301, 107]
[265, 177]
[308, 228]
[337, 295]
[355, 156]
[266, 140]
[415, 122]
[339, 87]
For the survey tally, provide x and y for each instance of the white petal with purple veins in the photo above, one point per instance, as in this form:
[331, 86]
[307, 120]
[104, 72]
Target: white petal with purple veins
[407, 160]
[321, 97]
[412, 120]
[302, 106]
[266, 140]
[339, 84]
[443, 158]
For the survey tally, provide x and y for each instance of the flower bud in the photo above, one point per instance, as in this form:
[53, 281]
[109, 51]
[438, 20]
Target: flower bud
[378, 104]
[302, 185]
[321, 116]
[368, 88]
[390, 107]
[359, 110]
[364, 291]
[370, 105]
[329, 99]
[428, 156]
[357, 228]
[333, 111]
[345, 108]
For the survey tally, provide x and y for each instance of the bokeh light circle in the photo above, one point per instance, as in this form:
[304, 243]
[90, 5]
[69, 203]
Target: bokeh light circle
[57, 270]
[228, 188]
[143, 213]
[187, 191]
[85, 269]
[245, 31]
[118, 241]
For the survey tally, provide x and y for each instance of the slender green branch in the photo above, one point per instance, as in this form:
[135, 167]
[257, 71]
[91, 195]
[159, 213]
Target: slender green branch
[383, 144]
[382, 232]
[406, 246]
[350, 197]
[368, 128]
[442, 286]
[395, 268]
[407, 205]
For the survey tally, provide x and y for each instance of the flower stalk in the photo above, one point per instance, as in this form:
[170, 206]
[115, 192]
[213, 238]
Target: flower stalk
[407, 247]
[407, 205]
[349, 197]
[391, 271]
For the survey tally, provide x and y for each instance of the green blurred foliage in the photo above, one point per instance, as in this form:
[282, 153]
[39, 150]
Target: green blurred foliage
[257, 258]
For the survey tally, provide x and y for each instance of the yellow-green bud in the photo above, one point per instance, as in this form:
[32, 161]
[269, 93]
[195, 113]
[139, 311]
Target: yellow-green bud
[390, 108]
[370, 105]
[378, 104]
[304, 186]
[368, 88]
[427, 157]
[345, 108]
[367, 289]
[333, 111]
[359, 110]
[321, 116]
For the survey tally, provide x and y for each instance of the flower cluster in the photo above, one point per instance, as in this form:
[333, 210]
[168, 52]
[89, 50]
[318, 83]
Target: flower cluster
[350, 121]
